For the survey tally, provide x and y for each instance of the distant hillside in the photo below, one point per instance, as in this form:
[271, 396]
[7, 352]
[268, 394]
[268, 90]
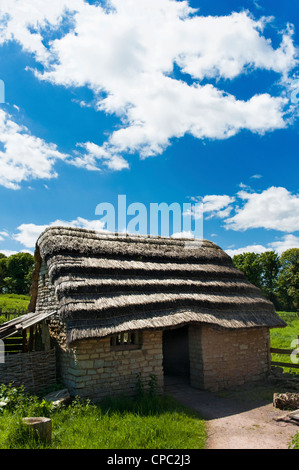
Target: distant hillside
[14, 301]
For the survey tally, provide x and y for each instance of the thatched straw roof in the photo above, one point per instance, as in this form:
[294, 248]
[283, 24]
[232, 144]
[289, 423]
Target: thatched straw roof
[108, 283]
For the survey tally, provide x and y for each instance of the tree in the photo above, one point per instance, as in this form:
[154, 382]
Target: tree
[3, 271]
[270, 264]
[249, 264]
[288, 280]
[19, 270]
[277, 277]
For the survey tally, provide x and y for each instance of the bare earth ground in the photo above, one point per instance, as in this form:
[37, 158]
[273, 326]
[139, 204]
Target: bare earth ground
[240, 419]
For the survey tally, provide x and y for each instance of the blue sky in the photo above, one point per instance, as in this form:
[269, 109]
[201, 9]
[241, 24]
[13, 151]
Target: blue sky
[161, 101]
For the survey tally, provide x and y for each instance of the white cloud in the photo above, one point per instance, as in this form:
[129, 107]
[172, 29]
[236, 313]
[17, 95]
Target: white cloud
[245, 186]
[183, 234]
[23, 22]
[3, 235]
[218, 205]
[13, 252]
[248, 249]
[215, 205]
[8, 252]
[29, 233]
[275, 208]
[24, 156]
[133, 77]
[287, 242]
[94, 154]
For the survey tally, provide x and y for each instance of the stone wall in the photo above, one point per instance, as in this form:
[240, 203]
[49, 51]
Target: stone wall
[47, 302]
[224, 358]
[92, 369]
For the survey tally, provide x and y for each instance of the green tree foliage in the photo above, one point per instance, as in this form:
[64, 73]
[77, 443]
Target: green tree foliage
[3, 270]
[250, 264]
[276, 276]
[288, 280]
[270, 264]
[16, 273]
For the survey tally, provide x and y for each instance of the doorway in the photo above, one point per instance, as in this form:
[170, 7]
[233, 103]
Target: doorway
[176, 361]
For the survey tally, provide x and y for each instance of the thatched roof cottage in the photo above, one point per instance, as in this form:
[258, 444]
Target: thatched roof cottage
[128, 305]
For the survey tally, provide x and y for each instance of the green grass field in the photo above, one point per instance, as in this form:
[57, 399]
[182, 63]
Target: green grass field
[14, 301]
[156, 422]
[282, 338]
[10, 302]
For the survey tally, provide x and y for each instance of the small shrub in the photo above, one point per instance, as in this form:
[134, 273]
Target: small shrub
[22, 403]
[139, 386]
[152, 385]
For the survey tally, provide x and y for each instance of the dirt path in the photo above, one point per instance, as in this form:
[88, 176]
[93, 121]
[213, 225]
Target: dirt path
[241, 420]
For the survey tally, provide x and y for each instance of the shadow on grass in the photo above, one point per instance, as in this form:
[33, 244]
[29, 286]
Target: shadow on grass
[145, 405]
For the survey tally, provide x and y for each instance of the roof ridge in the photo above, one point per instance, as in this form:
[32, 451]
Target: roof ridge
[119, 236]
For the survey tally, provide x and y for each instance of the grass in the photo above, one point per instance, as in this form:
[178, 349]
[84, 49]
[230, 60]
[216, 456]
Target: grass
[150, 422]
[12, 302]
[282, 338]
[295, 442]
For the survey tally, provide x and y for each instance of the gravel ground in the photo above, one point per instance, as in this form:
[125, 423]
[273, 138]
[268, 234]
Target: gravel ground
[240, 419]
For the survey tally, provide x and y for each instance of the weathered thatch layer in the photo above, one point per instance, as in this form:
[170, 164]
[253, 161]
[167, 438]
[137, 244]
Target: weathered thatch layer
[114, 303]
[101, 327]
[97, 244]
[106, 283]
[62, 264]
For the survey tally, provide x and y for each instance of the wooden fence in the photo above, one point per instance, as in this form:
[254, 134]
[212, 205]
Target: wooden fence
[13, 344]
[9, 314]
[36, 370]
[286, 352]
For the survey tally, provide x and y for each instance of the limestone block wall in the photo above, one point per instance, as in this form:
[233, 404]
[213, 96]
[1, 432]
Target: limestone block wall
[90, 368]
[46, 298]
[223, 358]
[47, 302]
[195, 357]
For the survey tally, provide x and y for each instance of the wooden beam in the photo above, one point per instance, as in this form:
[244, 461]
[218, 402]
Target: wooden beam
[281, 351]
[291, 365]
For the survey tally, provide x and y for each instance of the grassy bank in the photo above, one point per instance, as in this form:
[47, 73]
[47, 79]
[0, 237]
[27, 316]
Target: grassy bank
[283, 337]
[14, 301]
[156, 422]
[9, 302]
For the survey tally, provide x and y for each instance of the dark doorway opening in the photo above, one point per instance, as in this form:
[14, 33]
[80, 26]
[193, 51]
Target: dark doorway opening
[176, 361]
